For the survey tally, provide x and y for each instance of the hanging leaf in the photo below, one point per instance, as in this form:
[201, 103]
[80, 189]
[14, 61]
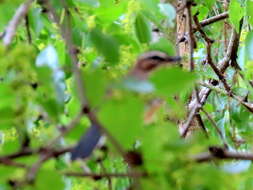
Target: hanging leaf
[106, 45]
[142, 29]
[235, 14]
[168, 81]
[163, 45]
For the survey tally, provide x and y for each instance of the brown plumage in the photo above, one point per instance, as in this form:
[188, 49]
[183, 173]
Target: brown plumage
[149, 61]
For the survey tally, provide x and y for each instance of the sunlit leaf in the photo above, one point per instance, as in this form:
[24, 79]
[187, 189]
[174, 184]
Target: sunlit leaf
[123, 118]
[106, 45]
[163, 45]
[168, 81]
[49, 178]
[235, 14]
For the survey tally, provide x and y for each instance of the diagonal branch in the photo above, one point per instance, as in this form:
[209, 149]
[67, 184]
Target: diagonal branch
[15, 21]
[209, 55]
[194, 105]
[66, 35]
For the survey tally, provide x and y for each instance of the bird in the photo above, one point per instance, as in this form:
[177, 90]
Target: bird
[145, 64]
[149, 61]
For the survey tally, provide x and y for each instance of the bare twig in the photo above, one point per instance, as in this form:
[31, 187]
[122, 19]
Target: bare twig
[106, 175]
[27, 25]
[208, 21]
[201, 124]
[214, 124]
[247, 105]
[15, 21]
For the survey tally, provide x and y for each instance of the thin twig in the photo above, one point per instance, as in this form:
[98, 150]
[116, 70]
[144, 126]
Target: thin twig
[247, 105]
[209, 55]
[9, 162]
[208, 21]
[201, 124]
[214, 124]
[106, 175]
[27, 25]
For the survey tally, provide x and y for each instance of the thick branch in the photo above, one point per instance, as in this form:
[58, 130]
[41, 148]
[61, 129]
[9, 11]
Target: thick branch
[223, 155]
[213, 19]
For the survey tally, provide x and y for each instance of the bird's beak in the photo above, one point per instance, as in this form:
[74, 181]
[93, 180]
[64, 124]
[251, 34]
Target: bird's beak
[173, 59]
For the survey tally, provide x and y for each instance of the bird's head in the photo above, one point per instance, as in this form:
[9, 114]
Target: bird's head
[151, 60]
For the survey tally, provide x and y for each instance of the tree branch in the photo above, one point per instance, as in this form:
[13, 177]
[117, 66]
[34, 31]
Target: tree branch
[212, 20]
[222, 155]
[15, 21]
[107, 175]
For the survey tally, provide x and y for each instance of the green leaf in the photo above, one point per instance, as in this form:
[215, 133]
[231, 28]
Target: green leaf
[7, 118]
[78, 130]
[49, 178]
[106, 45]
[109, 11]
[35, 20]
[249, 12]
[92, 3]
[235, 14]
[123, 118]
[152, 5]
[163, 45]
[169, 81]
[7, 172]
[142, 29]
[7, 10]
[10, 145]
[209, 3]
[95, 83]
